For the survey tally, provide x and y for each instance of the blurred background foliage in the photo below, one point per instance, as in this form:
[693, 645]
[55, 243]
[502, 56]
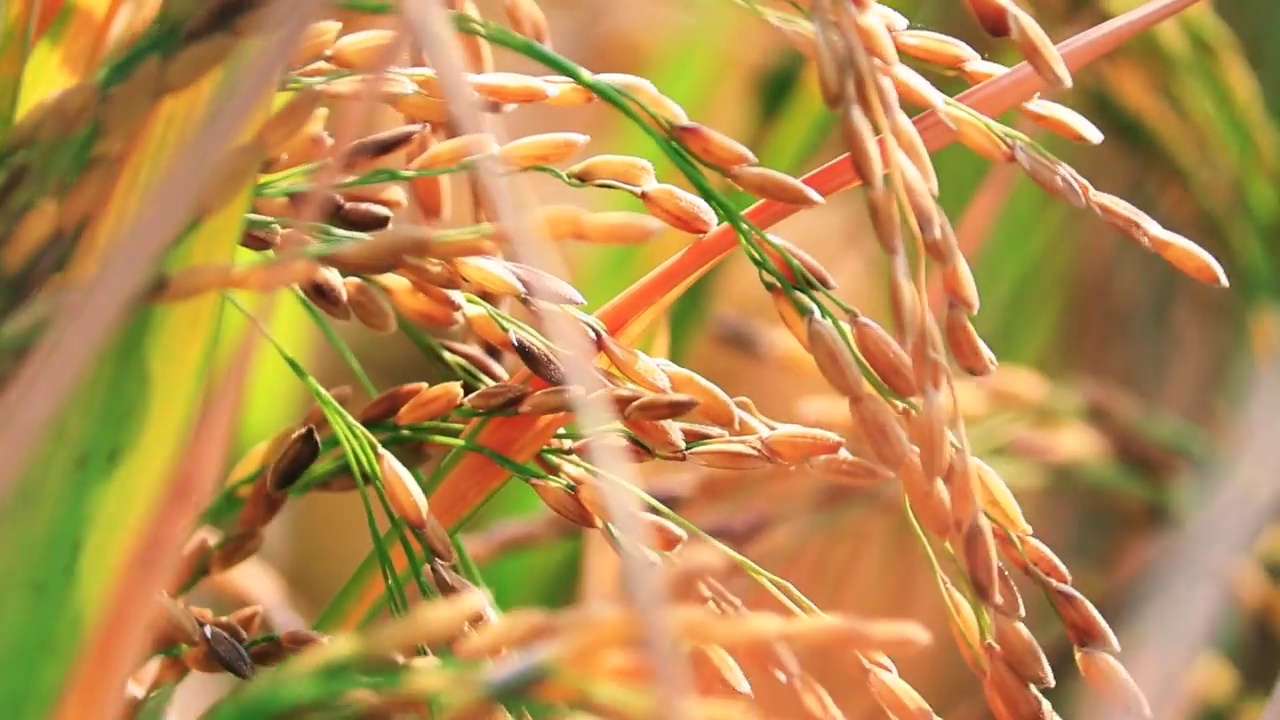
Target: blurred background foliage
[1146, 365]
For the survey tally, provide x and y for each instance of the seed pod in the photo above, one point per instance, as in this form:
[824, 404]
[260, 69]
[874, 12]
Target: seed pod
[430, 404]
[992, 15]
[366, 151]
[226, 652]
[927, 495]
[847, 469]
[774, 185]
[928, 431]
[976, 135]
[914, 149]
[437, 310]
[1009, 599]
[1106, 676]
[363, 217]
[864, 150]
[1021, 651]
[563, 502]
[819, 274]
[896, 695]
[435, 538]
[528, 19]
[964, 627]
[1037, 48]
[509, 88]
[1084, 624]
[543, 285]
[1057, 178]
[661, 534]
[316, 38]
[552, 400]
[1006, 690]
[885, 356]
[661, 436]
[886, 439]
[1061, 121]
[712, 146]
[729, 456]
[934, 48]
[496, 397]
[625, 169]
[476, 357]
[694, 433]
[299, 452]
[389, 402]
[998, 501]
[620, 227]
[538, 359]
[1186, 256]
[248, 619]
[447, 153]
[490, 275]
[1034, 555]
[370, 306]
[679, 208]
[664, 406]
[714, 404]
[403, 492]
[957, 278]
[834, 359]
[962, 484]
[979, 552]
[544, 149]
[364, 49]
[791, 444]
[634, 365]
[970, 352]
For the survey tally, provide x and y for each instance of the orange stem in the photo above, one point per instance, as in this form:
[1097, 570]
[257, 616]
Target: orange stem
[476, 476]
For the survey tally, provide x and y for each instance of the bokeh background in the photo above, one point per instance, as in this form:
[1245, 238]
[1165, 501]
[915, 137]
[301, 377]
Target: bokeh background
[1121, 408]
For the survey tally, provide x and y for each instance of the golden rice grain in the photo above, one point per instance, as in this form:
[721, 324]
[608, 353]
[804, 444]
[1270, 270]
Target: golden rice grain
[663, 406]
[450, 152]
[779, 251]
[875, 37]
[1008, 694]
[832, 355]
[619, 227]
[886, 439]
[415, 106]
[528, 19]
[564, 502]
[977, 71]
[849, 470]
[370, 306]
[714, 404]
[403, 492]
[1037, 48]
[625, 169]
[1022, 652]
[998, 501]
[976, 135]
[1084, 624]
[565, 92]
[364, 153]
[774, 185]
[864, 148]
[286, 122]
[1188, 257]
[729, 456]
[544, 149]
[1062, 121]
[914, 89]
[635, 365]
[979, 552]
[316, 39]
[679, 208]
[928, 496]
[508, 87]
[416, 306]
[992, 15]
[364, 49]
[325, 290]
[965, 345]
[716, 664]
[934, 48]
[1106, 676]
[886, 357]
[712, 146]
[896, 695]
[791, 444]
[489, 274]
